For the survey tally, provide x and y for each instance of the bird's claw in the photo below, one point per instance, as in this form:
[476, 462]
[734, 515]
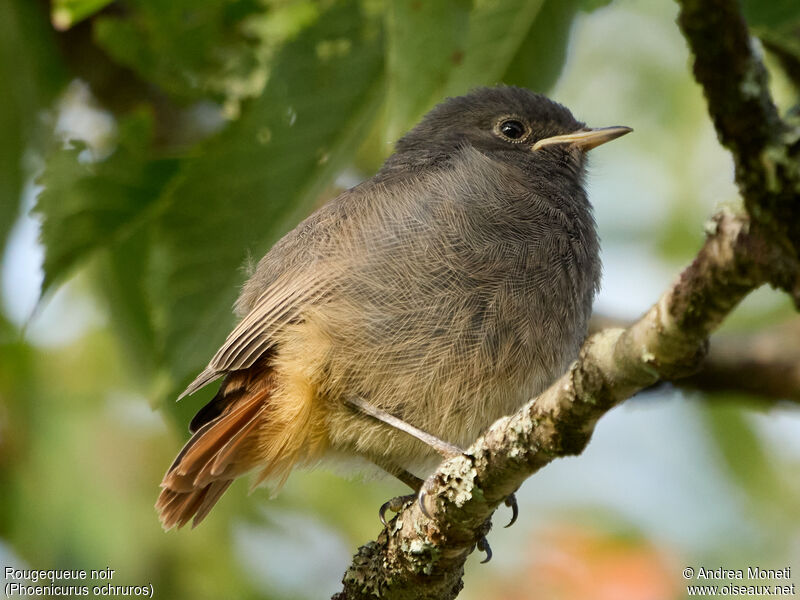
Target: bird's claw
[483, 546]
[421, 498]
[395, 505]
[483, 543]
[511, 502]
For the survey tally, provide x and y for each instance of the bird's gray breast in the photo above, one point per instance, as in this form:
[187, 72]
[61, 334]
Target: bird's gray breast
[469, 289]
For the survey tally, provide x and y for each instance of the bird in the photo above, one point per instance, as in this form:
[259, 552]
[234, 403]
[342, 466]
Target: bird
[404, 316]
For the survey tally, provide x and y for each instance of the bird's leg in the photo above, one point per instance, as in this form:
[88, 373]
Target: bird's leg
[396, 504]
[446, 449]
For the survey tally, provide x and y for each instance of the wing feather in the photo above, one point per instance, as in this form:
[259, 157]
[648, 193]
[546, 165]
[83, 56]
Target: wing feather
[293, 275]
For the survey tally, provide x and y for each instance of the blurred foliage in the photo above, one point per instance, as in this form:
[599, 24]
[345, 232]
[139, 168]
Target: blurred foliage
[255, 180]
[88, 205]
[66, 13]
[412, 82]
[32, 74]
[230, 120]
[189, 49]
[777, 23]
[777, 14]
[736, 438]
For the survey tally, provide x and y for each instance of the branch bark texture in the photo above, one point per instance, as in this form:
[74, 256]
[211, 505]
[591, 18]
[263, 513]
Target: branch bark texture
[421, 557]
[734, 80]
[765, 364]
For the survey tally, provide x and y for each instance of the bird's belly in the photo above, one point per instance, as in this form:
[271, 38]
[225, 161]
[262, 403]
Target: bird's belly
[469, 335]
[451, 382]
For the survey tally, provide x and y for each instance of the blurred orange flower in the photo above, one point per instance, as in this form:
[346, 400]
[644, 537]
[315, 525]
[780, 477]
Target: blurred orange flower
[582, 564]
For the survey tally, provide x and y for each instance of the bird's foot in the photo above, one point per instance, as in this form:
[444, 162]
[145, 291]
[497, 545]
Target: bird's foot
[422, 498]
[483, 546]
[483, 543]
[395, 505]
[511, 502]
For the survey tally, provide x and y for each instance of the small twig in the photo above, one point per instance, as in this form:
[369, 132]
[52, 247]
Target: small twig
[764, 364]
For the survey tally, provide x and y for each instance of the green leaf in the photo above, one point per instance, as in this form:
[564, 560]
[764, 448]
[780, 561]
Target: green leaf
[771, 14]
[777, 23]
[744, 456]
[541, 55]
[496, 30]
[123, 279]
[257, 178]
[424, 41]
[785, 45]
[66, 13]
[516, 41]
[31, 73]
[592, 5]
[87, 206]
[189, 49]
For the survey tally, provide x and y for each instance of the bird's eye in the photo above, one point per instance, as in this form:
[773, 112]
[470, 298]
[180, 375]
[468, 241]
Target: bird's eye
[511, 129]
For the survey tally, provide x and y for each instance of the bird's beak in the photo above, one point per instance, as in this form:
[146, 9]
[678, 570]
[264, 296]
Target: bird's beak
[585, 139]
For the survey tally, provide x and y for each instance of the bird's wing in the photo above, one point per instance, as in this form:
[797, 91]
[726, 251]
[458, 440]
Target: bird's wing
[288, 279]
[281, 303]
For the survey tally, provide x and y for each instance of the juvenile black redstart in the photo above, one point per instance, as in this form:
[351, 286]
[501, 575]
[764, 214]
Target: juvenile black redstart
[406, 315]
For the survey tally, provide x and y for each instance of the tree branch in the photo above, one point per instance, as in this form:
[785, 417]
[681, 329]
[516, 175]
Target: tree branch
[420, 557]
[764, 364]
[734, 80]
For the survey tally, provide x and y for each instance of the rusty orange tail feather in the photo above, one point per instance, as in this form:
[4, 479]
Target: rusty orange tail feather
[267, 416]
[218, 452]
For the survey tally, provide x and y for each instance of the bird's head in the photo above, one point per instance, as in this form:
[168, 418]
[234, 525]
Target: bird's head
[504, 122]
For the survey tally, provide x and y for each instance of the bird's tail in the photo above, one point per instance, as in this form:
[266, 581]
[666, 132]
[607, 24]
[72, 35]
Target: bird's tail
[251, 422]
